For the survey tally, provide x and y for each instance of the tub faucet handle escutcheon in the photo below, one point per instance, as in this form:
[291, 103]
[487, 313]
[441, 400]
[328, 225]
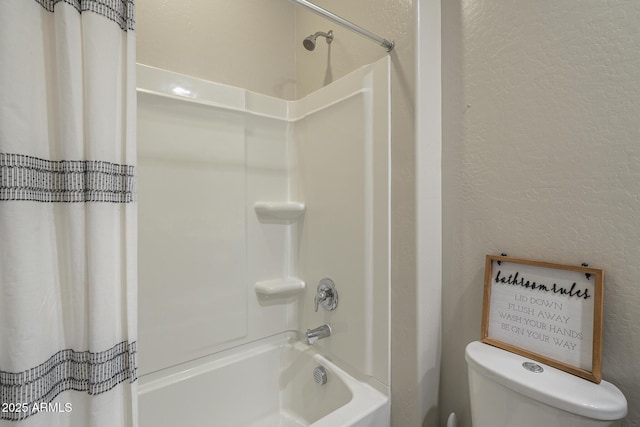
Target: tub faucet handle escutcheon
[326, 295]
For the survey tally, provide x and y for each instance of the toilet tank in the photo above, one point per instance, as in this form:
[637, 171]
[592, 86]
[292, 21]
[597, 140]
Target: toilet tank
[503, 393]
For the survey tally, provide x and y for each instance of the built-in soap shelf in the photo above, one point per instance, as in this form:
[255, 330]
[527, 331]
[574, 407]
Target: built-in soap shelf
[288, 285]
[282, 212]
[279, 213]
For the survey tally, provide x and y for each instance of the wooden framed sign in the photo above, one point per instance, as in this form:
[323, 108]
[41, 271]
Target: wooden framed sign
[548, 312]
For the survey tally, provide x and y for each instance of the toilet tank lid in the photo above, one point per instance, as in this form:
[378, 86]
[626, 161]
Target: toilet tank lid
[553, 387]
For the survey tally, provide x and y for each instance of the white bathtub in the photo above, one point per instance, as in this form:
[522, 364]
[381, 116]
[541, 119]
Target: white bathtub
[265, 384]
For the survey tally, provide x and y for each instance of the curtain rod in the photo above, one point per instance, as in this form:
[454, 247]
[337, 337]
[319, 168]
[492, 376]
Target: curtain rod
[388, 45]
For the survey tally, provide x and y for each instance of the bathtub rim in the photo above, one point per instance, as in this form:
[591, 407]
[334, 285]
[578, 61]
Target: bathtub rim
[156, 379]
[367, 393]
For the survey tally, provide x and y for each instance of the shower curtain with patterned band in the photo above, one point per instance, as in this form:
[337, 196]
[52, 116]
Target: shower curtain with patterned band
[67, 213]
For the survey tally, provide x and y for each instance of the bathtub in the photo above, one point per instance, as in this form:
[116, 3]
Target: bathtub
[265, 384]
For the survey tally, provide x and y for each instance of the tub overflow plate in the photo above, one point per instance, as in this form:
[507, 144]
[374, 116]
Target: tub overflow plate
[533, 367]
[320, 375]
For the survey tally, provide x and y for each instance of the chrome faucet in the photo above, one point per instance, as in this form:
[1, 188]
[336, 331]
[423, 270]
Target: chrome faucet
[313, 335]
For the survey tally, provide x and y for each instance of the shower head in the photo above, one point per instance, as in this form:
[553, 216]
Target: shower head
[309, 42]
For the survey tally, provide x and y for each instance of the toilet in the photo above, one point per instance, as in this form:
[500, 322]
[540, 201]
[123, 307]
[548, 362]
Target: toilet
[506, 394]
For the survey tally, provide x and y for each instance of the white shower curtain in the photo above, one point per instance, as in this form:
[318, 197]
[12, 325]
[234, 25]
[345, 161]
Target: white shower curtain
[67, 213]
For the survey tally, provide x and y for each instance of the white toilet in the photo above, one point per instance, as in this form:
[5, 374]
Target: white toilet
[505, 394]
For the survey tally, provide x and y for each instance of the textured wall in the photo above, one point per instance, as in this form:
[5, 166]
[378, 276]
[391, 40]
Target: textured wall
[244, 43]
[541, 160]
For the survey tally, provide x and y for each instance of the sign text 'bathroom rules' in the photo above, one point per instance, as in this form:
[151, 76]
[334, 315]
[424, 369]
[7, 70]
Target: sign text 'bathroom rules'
[548, 312]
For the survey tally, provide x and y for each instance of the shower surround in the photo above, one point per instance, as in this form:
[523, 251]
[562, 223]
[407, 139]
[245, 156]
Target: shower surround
[224, 264]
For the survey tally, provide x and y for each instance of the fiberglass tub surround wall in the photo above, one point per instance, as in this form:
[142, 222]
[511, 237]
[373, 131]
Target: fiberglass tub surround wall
[219, 150]
[342, 153]
[168, 41]
[202, 247]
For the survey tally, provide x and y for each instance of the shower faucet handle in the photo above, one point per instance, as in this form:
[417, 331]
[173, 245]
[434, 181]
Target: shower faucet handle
[326, 295]
[321, 297]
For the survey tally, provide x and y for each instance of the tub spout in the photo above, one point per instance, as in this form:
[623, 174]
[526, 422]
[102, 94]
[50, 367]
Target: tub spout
[313, 335]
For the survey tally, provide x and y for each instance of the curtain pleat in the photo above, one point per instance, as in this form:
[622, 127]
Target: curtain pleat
[67, 213]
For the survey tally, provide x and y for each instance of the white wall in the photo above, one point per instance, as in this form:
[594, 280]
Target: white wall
[541, 160]
[429, 206]
[207, 154]
[247, 43]
[187, 190]
[342, 159]
[202, 248]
